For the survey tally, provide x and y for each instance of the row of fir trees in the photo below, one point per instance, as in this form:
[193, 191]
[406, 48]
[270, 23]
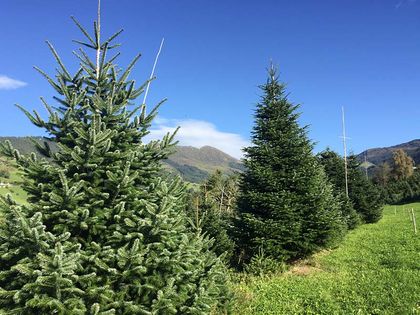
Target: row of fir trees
[104, 232]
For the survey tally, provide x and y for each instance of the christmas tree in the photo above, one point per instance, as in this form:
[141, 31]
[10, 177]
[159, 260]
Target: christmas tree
[287, 209]
[102, 233]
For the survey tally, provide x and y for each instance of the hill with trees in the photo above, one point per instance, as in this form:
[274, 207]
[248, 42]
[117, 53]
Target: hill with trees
[381, 155]
[192, 164]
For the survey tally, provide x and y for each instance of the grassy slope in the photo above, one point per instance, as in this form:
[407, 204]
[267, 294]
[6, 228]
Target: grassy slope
[193, 164]
[15, 179]
[375, 271]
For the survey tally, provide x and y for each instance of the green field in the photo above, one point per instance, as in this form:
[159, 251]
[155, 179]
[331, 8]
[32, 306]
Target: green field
[376, 270]
[14, 179]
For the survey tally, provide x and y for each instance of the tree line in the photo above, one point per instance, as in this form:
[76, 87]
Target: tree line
[398, 181]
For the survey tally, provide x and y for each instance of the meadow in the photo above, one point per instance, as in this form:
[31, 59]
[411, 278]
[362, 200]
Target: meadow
[14, 180]
[376, 270]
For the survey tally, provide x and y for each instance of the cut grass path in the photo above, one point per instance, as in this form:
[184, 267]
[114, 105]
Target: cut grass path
[376, 270]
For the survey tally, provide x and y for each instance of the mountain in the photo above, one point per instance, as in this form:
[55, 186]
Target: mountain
[377, 156]
[192, 164]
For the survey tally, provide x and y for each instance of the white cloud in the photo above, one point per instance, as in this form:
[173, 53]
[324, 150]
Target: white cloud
[198, 133]
[7, 83]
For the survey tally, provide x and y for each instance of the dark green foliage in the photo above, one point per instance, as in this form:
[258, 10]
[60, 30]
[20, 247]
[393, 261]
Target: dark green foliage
[212, 209]
[405, 190]
[334, 168]
[4, 173]
[262, 265]
[103, 233]
[286, 205]
[364, 196]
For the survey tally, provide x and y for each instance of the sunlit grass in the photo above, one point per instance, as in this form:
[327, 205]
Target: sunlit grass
[376, 270]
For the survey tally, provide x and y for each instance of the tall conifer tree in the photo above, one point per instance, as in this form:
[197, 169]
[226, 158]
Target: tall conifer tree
[286, 206]
[102, 233]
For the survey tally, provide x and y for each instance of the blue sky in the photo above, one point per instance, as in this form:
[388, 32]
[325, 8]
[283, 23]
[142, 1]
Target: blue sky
[360, 54]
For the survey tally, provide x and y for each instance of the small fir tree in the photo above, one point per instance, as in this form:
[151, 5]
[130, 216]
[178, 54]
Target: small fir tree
[286, 206]
[102, 232]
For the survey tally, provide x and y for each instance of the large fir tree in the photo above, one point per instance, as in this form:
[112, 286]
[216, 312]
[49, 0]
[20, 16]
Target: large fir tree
[102, 232]
[286, 205]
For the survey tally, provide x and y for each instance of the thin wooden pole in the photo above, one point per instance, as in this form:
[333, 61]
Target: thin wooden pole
[395, 209]
[409, 215]
[414, 220]
[98, 48]
[153, 72]
[345, 153]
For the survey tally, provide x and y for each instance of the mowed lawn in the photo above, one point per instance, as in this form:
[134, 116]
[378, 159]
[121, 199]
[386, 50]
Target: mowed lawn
[376, 270]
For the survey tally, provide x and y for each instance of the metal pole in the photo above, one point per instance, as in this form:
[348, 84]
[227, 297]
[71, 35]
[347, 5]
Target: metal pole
[345, 152]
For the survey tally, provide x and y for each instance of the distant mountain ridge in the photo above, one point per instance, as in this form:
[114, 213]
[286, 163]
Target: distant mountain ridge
[380, 155]
[193, 164]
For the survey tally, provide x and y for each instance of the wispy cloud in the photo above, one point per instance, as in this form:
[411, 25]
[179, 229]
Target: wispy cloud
[7, 83]
[198, 133]
[402, 2]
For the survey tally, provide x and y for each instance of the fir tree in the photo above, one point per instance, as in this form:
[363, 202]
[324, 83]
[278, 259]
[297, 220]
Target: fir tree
[102, 233]
[334, 168]
[366, 198]
[286, 205]
[363, 201]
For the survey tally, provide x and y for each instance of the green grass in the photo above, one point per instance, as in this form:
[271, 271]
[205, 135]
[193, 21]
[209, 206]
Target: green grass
[15, 179]
[376, 270]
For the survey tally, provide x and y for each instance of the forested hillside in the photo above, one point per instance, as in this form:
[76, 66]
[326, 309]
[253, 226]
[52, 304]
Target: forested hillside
[381, 155]
[193, 164]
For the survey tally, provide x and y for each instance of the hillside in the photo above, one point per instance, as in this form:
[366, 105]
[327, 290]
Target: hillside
[10, 180]
[193, 164]
[379, 155]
